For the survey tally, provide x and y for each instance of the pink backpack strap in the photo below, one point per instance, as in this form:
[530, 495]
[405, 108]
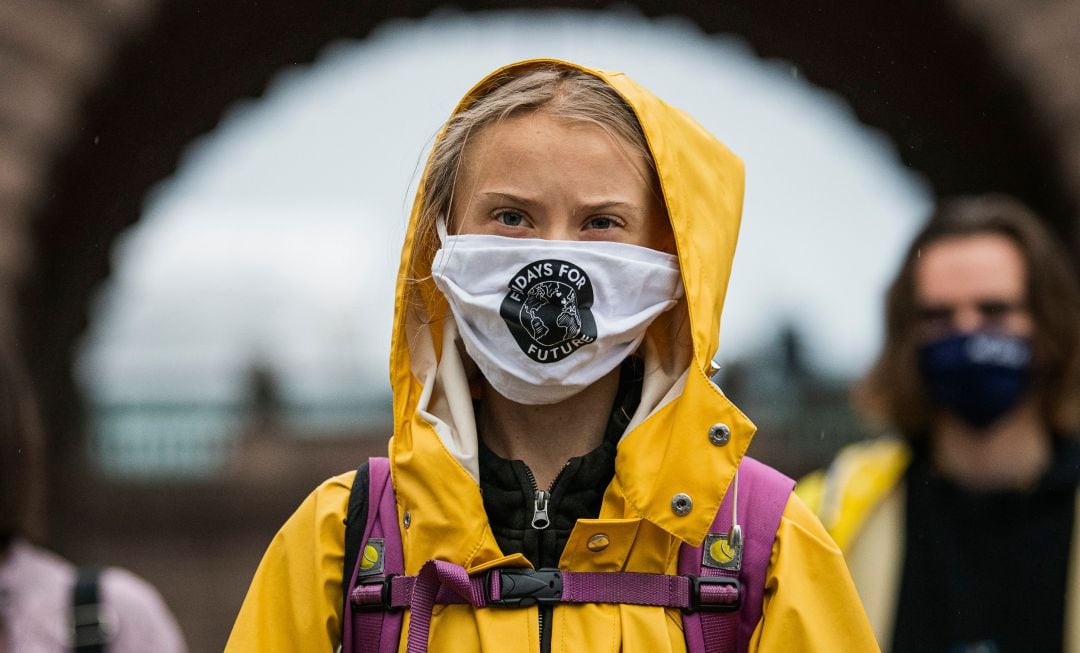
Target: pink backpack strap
[762, 495]
[380, 558]
[441, 582]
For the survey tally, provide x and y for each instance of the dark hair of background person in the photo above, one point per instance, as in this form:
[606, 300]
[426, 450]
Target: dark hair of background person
[20, 440]
[892, 392]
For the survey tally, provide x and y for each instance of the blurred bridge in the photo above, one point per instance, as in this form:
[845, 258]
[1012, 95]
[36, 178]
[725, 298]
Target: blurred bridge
[99, 98]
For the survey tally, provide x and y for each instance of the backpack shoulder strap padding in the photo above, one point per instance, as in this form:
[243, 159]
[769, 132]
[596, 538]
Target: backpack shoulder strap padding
[762, 496]
[355, 521]
[377, 551]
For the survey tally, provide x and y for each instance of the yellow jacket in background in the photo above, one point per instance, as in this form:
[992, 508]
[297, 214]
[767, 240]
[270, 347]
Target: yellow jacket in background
[810, 604]
[861, 500]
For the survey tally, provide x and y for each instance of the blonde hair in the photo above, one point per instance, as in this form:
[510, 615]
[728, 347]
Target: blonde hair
[558, 90]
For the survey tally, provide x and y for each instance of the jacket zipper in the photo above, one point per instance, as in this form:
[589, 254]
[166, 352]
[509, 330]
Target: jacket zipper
[540, 521]
[546, 613]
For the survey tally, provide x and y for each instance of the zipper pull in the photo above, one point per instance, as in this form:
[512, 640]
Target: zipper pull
[540, 519]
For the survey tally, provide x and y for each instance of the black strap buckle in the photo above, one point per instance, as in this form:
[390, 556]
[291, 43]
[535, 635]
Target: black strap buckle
[525, 587]
[384, 603]
[696, 605]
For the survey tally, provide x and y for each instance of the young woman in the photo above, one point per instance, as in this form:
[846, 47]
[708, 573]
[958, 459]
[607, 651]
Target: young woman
[558, 309]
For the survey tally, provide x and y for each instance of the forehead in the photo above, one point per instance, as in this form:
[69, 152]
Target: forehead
[507, 146]
[971, 268]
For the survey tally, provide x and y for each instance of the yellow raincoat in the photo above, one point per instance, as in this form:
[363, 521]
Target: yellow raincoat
[810, 604]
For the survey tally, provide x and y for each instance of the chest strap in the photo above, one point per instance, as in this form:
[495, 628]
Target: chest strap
[523, 587]
[445, 582]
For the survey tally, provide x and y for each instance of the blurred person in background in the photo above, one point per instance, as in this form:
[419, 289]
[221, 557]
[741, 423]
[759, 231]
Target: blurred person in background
[961, 531]
[557, 315]
[48, 605]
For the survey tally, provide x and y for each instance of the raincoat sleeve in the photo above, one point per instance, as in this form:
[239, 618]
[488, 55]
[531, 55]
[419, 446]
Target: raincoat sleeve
[295, 600]
[810, 601]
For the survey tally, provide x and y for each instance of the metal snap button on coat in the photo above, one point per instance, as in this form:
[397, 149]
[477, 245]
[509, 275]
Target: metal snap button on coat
[719, 434]
[407, 519]
[598, 542]
[681, 504]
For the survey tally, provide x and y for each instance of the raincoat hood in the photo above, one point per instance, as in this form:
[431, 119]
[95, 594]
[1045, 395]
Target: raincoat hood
[667, 449]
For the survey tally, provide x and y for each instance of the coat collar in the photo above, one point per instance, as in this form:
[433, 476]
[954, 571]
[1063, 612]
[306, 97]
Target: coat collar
[669, 453]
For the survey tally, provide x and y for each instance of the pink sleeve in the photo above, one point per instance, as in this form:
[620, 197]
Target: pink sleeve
[143, 622]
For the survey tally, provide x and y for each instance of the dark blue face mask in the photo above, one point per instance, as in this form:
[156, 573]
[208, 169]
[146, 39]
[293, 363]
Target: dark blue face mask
[978, 377]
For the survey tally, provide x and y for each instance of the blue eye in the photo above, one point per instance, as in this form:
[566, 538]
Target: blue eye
[601, 223]
[510, 218]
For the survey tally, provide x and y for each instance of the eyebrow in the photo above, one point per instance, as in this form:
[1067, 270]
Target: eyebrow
[525, 201]
[509, 197]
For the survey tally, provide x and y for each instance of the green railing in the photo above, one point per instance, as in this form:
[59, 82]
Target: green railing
[195, 440]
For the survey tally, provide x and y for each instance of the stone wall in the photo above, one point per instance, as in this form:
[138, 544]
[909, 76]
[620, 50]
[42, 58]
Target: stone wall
[53, 54]
[1038, 43]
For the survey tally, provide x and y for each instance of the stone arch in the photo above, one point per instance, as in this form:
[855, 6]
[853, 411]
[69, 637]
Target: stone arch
[110, 92]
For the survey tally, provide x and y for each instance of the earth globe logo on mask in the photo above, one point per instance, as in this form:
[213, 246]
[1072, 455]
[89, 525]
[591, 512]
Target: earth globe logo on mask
[548, 310]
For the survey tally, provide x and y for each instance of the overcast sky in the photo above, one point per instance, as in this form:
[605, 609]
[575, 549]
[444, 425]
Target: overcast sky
[279, 236]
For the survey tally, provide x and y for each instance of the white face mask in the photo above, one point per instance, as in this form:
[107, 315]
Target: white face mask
[544, 319]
